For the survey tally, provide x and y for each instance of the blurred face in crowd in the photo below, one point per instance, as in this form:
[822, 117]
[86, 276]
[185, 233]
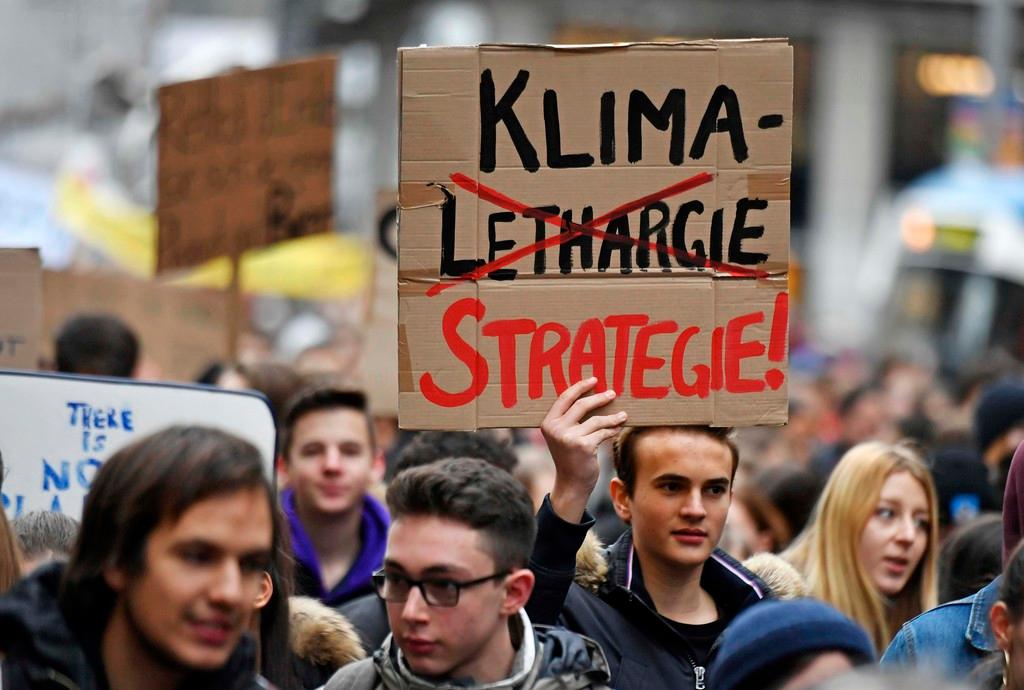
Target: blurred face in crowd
[866, 420]
[895, 536]
[331, 461]
[201, 574]
[469, 639]
[742, 534]
[680, 499]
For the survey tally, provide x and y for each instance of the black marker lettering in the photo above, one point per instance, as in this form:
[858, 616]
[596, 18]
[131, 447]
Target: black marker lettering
[494, 245]
[643, 253]
[553, 136]
[583, 241]
[608, 128]
[540, 259]
[711, 123]
[618, 226]
[492, 113]
[741, 231]
[449, 265]
[672, 111]
[679, 234]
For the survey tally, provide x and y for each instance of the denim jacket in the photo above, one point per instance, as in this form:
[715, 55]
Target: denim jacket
[951, 638]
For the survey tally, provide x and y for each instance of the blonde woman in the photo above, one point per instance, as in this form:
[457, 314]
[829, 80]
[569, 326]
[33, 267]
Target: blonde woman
[871, 547]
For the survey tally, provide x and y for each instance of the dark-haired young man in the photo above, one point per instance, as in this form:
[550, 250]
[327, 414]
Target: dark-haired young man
[455, 582]
[668, 592]
[176, 533]
[96, 344]
[329, 460]
[367, 613]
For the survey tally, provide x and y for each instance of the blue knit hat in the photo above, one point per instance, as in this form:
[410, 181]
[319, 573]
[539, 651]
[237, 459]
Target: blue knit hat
[772, 631]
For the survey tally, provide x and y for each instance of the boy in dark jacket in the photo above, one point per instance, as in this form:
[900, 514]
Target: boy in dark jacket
[455, 582]
[663, 593]
[176, 533]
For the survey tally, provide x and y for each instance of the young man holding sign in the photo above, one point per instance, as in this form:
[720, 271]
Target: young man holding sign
[668, 592]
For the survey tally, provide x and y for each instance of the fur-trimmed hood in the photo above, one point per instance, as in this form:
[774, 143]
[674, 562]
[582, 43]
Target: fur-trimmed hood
[320, 635]
[785, 581]
[591, 564]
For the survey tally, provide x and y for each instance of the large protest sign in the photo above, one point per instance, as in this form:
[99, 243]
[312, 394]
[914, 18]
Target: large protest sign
[56, 431]
[611, 211]
[181, 329]
[245, 160]
[21, 308]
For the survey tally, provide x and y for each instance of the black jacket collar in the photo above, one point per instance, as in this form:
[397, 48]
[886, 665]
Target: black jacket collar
[732, 586]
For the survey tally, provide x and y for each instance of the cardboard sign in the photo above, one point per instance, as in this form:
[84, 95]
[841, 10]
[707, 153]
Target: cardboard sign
[56, 431]
[611, 211]
[244, 161]
[384, 300]
[182, 329]
[380, 348]
[21, 309]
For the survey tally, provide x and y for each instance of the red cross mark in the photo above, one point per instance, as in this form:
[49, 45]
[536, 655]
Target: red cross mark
[574, 230]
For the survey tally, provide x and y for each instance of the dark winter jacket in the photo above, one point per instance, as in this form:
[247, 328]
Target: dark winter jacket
[609, 604]
[42, 651]
[373, 532]
[547, 659]
[369, 616]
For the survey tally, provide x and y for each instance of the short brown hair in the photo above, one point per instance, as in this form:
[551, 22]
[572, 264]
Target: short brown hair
[318, 398]
[624, 449]
[477, 494]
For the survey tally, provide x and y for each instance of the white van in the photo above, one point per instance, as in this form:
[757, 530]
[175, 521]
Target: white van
[944, 268]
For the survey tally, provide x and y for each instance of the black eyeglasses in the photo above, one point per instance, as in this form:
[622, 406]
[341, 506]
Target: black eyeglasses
[436, 592]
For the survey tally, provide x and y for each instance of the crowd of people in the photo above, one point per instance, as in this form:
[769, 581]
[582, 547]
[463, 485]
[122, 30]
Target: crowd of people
[872, 541]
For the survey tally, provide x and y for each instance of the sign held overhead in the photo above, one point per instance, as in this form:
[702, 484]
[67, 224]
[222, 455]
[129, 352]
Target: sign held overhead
[611, 211]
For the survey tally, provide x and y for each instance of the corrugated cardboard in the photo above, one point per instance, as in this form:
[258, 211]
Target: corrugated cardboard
[380, 346]
[245, 160]
[182, 329]
[21, 309]
[385, 298]
[655, 321]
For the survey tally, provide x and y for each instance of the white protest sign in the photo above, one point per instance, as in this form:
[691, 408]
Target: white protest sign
[57, 430]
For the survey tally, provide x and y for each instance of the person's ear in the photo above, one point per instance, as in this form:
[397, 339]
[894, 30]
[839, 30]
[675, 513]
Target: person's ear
[116, 578]
[1002, 626]
[518, 587]
[621, 500]
[266, 591]
[281, 467]
[379, 466]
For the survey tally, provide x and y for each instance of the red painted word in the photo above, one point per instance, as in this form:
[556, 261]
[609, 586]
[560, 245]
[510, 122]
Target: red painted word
[564, 361]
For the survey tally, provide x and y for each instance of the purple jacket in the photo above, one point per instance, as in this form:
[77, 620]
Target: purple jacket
[373, 532]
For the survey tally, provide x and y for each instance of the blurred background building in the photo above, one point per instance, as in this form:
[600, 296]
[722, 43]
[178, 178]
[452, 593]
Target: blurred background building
[907, 195]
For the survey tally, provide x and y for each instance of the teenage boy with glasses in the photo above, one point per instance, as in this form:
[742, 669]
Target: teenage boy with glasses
[455, 583]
